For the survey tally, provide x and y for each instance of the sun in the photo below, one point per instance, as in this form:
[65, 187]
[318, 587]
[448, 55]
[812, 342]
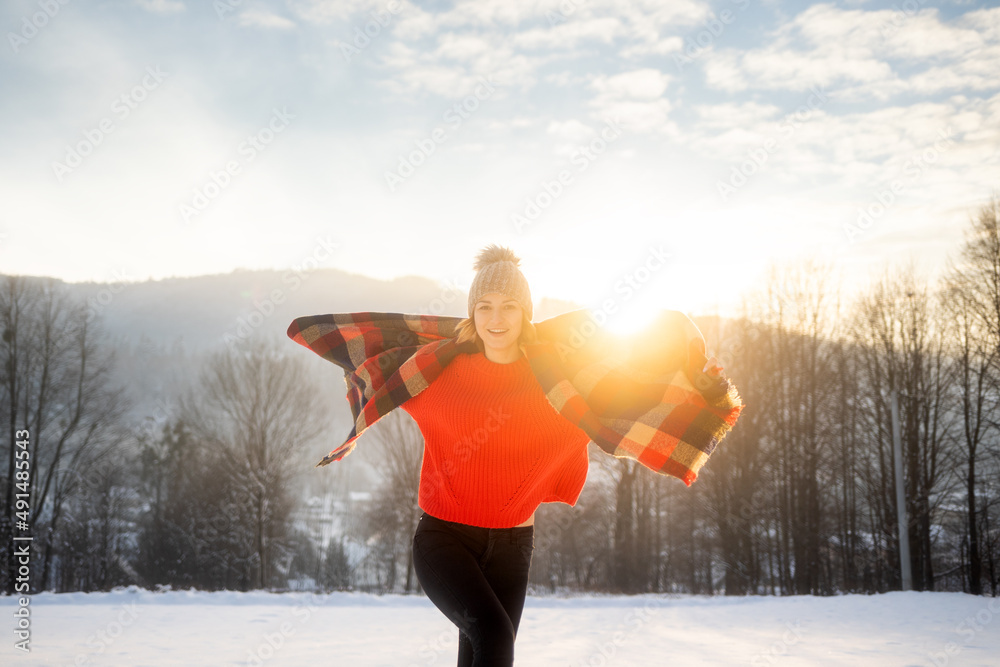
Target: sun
[628, 320]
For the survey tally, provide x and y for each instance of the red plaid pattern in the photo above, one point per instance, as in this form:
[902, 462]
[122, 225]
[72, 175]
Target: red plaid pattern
[642, 397]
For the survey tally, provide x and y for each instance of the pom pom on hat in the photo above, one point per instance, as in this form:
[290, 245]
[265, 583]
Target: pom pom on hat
[494, 253]
[497, 271]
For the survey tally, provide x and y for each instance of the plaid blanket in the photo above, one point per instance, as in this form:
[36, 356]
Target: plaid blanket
[642, 397]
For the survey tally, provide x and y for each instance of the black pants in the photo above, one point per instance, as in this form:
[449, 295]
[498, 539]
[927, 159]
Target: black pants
[478, 578]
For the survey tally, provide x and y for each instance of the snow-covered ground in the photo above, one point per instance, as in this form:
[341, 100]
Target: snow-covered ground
[135, 627]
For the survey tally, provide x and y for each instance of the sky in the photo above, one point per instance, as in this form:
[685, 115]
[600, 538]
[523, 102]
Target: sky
[640, 154]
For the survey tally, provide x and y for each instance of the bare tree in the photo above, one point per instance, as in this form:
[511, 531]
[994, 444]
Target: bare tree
[978, 272]
[54, 385]
[735, 481]
[971, 297]
[258, 413]
[391, 518]
[93, 544]
[574, 545]
[904, 351]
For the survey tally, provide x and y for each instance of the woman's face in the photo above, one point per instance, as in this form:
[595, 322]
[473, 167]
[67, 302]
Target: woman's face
[498, 321]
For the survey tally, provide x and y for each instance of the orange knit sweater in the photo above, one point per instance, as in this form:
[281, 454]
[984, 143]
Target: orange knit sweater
[494, 447]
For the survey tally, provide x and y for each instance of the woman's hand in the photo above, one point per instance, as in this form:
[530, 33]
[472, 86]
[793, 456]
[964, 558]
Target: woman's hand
[712, 367]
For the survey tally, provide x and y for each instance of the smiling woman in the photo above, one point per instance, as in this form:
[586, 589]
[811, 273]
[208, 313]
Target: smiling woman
[493, 452]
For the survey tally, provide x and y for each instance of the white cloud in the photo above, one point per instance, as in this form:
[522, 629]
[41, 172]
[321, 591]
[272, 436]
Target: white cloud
[263, 19]
[519, 122]
[984, 21]
[462, 47]
[328, 11]
[636, 98]
[490, 13]
[922, 36]
[657, 47]
[162, 6]
[571, 35]
[727, 115]
[641, 117]
[644, 83]
[513, 40]
[571, 130]
[637, 18]
[868, 54]
[415, 72]
[924, 146]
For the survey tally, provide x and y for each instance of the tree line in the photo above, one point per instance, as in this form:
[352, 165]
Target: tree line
[799, 498]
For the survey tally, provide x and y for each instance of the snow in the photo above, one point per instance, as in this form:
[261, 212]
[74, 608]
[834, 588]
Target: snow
[136, 627]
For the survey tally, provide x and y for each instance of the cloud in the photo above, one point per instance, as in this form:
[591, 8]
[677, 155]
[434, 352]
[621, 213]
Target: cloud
[260, 19]
[868, 54]
[984, 21]
[329, 11]
[728, 114]
[570, 131]
[518, 122]
[933, 148]
[463, 47]
[414, 72]
[657, 47]
[162, 6]
[571, 35]
[635, 97]
[518, 41]
[644, 83]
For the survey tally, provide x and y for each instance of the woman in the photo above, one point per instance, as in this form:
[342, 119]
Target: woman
[506, 421]
[493, 451]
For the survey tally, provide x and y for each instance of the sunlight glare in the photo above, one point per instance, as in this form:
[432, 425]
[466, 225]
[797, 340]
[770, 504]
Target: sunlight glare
[629, 320]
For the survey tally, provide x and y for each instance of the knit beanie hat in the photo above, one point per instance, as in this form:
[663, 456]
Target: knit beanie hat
[497, 272]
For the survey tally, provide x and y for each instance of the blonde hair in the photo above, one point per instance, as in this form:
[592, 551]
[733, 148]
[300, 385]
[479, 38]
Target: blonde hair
[465, 331]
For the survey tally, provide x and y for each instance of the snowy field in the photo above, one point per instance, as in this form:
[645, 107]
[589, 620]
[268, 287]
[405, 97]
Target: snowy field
[135, 627]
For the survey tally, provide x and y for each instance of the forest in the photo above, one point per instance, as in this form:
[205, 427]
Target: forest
[800, 498]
